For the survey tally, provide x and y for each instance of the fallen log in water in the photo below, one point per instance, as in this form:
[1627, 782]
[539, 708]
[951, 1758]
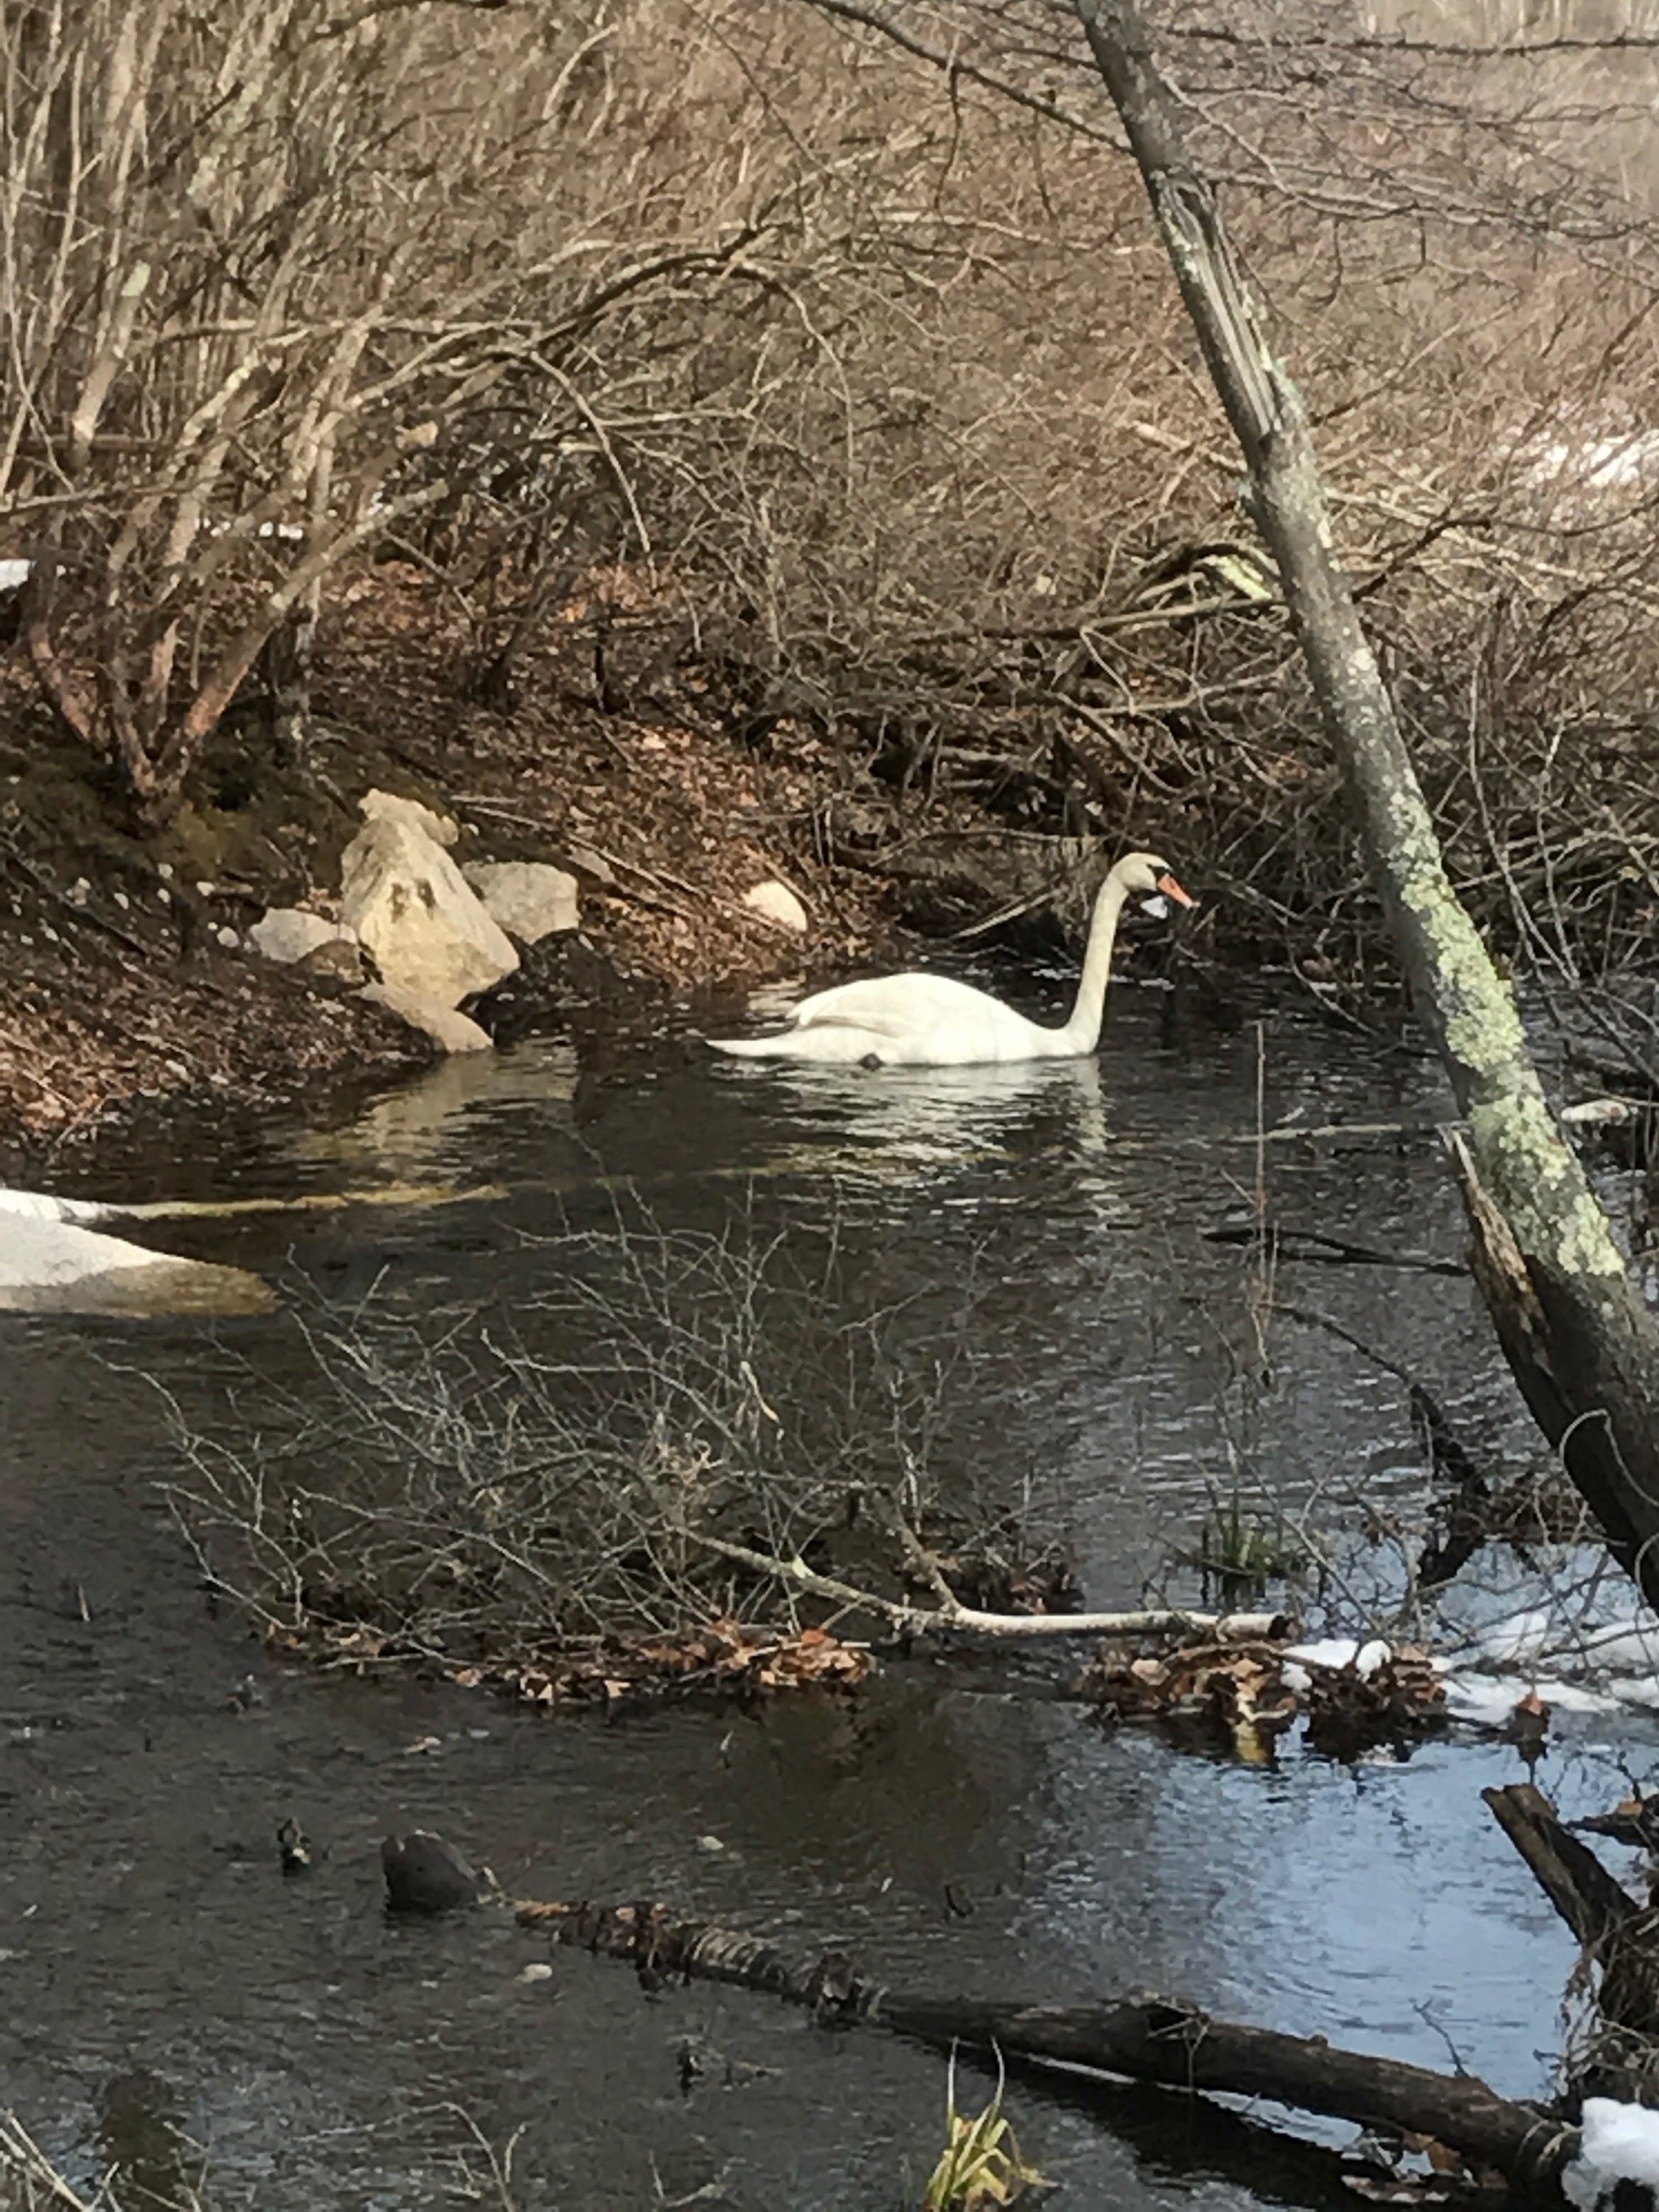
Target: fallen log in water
[1148, 2039]
[1593, 1904]
[1617, 2058]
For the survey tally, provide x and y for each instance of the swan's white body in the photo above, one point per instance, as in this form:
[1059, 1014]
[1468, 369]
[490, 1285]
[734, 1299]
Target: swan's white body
[932, 1021]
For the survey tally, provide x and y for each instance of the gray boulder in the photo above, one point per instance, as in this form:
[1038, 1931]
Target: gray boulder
[530, 899]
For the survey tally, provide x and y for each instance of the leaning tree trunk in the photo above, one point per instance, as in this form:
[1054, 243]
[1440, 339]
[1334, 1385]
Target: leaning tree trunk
[1584, 1347]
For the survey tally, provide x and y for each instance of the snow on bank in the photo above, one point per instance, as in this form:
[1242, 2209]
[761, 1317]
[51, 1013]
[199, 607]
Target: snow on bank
[1491, 1699]
[36, 1206]
[1573, 1666]
[50, 1264]
[1620, 2143]
[1608, 1670]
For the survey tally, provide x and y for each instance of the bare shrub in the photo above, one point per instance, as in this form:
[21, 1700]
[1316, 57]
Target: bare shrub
[494, 1491]
[277, 279]
[850, 368]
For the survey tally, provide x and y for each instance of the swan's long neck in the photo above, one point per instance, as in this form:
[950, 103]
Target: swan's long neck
[1082, 1032]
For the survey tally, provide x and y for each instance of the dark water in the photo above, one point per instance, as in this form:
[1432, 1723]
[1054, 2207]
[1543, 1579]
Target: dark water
[1042, 1233]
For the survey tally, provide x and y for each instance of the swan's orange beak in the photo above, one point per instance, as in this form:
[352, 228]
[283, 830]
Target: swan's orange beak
[1170, 889]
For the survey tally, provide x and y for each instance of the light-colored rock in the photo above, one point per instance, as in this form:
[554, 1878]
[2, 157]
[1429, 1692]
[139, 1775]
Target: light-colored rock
[775, 901]
[48, 1265]
[393, 806]
[287, 933]
[427, 928]
[454, 1031]
[528, 899]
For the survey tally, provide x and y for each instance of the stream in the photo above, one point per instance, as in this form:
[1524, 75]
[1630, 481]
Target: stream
[1080, 1341]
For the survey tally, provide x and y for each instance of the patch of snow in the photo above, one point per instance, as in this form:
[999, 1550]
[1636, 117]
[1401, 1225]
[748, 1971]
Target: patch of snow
[1333, 1651]
[1295, 1678]
[1491, 1699]
[1481, 1698]
[291, 533]
[1371, 1657]
[1518, 1636]
[1591, 1669]
[1620, 2142]
[1624, 1643]
[1576, 1697]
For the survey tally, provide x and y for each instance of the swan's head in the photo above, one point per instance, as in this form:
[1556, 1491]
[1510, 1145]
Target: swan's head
[1146, 873]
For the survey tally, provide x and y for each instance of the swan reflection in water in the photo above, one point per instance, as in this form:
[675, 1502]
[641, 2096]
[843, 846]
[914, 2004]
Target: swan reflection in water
[888, 1126]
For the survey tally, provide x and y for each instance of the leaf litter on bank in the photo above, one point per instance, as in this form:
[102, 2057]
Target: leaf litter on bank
[724, 1655]
[1242, 1698]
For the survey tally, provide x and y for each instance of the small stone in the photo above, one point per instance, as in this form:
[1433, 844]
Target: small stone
[123, 901]
[287, 933]
[537, 1971]
[423, 1874]
[338, 960]
[164, 869]
[776, 902]
[228, 938]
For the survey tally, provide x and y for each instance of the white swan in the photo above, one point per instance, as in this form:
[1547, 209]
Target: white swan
[932, 1021]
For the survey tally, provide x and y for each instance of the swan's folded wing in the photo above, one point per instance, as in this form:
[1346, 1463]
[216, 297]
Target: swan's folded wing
[889, 1006]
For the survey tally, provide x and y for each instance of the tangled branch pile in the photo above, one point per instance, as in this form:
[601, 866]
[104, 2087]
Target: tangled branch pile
[554, 1500]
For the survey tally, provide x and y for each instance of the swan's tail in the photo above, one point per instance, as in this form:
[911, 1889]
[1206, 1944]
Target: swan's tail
[777, 1047]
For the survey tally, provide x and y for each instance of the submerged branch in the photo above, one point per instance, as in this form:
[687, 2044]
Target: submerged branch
[1148, 2039]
